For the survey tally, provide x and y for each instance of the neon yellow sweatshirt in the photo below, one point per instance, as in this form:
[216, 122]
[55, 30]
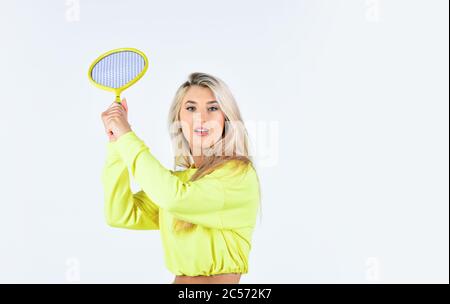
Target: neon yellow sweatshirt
[223, 204]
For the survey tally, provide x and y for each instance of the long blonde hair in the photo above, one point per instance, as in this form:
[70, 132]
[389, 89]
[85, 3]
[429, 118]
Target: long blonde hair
[233, 145]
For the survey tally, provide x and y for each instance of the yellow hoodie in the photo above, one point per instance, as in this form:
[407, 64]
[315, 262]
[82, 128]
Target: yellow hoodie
[223, 204]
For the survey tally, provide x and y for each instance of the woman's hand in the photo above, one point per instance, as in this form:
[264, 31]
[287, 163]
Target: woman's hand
[115, 120]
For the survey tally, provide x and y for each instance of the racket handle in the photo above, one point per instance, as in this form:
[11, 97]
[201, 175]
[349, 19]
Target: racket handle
[118, 99]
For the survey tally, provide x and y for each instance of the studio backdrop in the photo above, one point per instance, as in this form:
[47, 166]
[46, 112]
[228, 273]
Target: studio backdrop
[345, 103]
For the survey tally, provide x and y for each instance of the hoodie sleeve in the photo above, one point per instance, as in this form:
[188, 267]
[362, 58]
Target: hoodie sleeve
[225, 198]
[122, 208]
[198, 202]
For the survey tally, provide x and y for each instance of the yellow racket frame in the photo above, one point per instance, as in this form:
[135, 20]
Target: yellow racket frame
[118, 91]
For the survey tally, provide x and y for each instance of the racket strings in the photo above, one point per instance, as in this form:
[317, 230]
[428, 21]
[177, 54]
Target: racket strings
[118, 69]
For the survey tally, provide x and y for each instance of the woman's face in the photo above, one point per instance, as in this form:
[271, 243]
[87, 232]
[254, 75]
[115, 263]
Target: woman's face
[202, 120]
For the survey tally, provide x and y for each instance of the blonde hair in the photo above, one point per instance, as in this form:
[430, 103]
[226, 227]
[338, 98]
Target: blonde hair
[233, 145]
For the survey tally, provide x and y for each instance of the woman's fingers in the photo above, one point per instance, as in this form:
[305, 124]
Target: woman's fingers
[121, 107]
[115, 111]
[117, 105]
[114, 116]
[124, 104]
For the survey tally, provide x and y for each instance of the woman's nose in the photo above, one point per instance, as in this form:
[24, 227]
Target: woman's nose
[201, 116]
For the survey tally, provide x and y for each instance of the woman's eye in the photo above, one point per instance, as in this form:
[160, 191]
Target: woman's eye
[211, 109]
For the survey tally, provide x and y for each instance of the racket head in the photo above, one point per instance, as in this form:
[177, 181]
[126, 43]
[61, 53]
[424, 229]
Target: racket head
[118, 69]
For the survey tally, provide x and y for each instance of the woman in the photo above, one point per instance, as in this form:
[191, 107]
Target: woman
[205, 212]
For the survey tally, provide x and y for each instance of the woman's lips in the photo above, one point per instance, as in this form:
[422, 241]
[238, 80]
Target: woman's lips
[201, 132]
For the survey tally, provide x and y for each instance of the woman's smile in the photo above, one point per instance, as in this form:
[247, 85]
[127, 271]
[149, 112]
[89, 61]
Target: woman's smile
[201, 131]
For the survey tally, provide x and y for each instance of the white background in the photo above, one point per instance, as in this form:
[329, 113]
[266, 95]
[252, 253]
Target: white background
[354, 176]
